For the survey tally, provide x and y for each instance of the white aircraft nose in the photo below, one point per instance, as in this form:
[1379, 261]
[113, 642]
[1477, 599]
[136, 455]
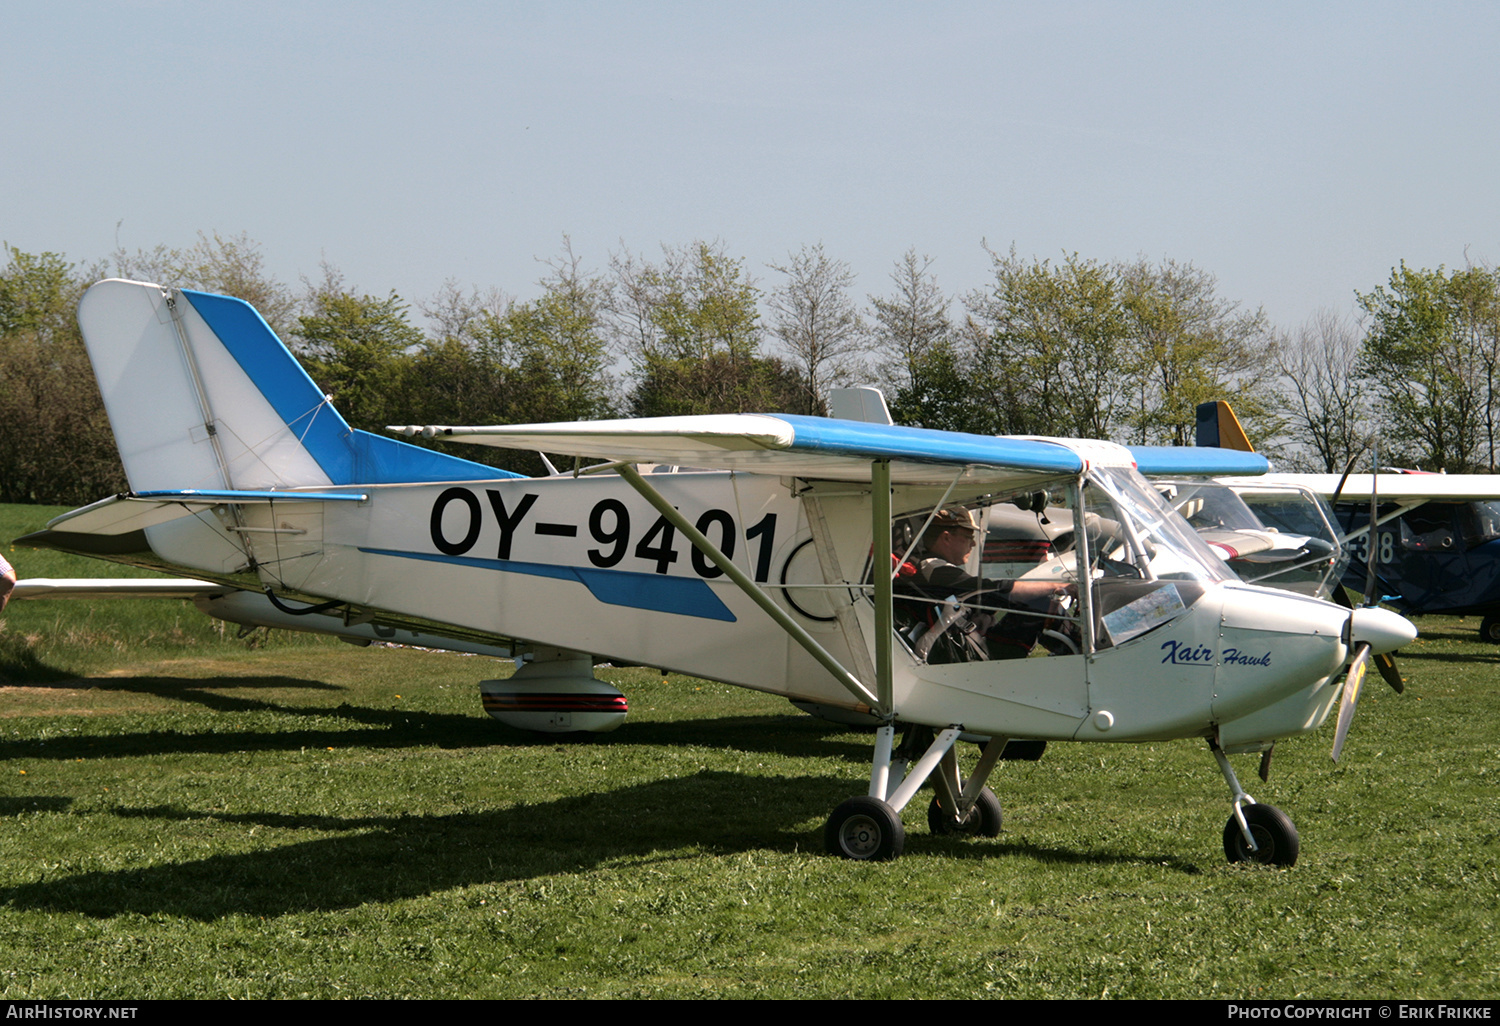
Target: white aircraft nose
[1384, 630]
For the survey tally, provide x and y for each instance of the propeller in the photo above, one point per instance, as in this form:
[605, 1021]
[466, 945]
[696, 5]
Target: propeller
[1385, 662]
[1353, 684]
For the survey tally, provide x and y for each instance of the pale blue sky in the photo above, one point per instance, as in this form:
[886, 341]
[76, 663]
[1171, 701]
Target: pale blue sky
[1296, 151]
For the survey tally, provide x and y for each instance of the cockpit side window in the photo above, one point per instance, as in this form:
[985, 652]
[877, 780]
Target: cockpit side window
[970, 581]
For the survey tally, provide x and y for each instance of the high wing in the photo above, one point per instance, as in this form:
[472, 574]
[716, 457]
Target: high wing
[1406, 489]
[789, 445]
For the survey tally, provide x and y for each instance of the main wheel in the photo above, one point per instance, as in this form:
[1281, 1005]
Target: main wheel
[1023, 750]
[1489, 630]
[1274, 834]
[865, 829]
[983, 819]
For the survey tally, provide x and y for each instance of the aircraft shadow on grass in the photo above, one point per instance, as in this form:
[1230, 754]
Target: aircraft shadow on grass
[389, 858]
[793, 735]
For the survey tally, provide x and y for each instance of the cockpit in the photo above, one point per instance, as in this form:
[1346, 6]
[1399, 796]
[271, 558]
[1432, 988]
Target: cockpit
[1060, 572]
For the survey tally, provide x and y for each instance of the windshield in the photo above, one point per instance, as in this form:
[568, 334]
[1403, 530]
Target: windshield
[1149, 537]
[1207, 505]
[999, 577]
[1277, 535]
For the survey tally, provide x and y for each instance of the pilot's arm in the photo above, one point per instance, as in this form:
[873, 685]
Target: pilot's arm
[939, 577]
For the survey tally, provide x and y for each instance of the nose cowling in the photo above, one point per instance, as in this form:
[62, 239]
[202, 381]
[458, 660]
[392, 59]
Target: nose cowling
[1381, 629]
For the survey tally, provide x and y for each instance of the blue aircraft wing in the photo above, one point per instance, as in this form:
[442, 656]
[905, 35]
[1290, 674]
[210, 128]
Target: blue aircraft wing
[818, 448]
[787, 445]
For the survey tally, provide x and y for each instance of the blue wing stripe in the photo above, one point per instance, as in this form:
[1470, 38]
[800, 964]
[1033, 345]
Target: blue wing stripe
[1163, 460]
[924, 445]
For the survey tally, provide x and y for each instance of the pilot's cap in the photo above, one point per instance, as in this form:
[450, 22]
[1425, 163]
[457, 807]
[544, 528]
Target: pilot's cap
[951, 518]
[954, 517]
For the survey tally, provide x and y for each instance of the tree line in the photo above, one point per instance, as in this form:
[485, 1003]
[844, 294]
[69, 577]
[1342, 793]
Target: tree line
[1070, 347]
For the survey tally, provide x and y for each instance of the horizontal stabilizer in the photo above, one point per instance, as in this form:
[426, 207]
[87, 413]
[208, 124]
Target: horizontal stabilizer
[136, 511]
[115, 587]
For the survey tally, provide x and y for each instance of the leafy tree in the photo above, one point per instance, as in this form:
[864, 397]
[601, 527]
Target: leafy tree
[691, 328]
[909, 324]
[498, 361]
[55, 441]
[1323, 397]
[357, 347]
[938, 394]
[1430, 357]
[1188, 346]
[231, 266]
[816, 321]
[1048, 347]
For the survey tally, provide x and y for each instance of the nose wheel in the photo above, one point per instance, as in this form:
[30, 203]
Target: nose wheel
[1276, 842]
[1255, 833]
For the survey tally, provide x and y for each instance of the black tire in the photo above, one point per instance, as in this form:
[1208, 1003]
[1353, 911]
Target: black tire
[1489, 630]
[865, 829]
[1274, 835]
[1023, 750]
[983, 819]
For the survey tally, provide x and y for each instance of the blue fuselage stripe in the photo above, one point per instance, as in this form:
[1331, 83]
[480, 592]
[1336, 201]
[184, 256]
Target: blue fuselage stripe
[655, 592]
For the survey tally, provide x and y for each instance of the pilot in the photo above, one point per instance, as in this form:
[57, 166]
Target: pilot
[947, 543]
[7, 581]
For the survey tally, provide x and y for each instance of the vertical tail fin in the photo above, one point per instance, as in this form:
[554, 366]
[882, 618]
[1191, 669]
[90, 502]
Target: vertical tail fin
[202, 394]
[1219, 428]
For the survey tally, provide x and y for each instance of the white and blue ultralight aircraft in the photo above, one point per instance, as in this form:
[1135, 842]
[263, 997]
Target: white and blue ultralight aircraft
[784, 561]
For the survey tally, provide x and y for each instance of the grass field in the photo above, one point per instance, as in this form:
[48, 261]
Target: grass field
[185, 815]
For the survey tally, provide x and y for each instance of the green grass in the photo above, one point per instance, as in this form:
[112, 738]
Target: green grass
[54, 640]
[188, 817]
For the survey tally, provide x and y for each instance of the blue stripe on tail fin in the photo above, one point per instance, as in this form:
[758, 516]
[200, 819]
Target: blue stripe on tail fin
[346, 455]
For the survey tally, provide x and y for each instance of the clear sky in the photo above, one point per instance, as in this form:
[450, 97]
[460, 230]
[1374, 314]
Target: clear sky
[1297, 151]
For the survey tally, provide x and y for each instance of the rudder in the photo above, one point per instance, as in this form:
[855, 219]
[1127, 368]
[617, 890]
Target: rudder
[202, 394]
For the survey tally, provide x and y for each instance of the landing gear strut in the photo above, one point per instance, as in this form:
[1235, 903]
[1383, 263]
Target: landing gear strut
[869, 827]
[1255, 833]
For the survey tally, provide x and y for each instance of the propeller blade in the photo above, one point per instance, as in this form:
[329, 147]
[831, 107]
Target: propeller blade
[1353, 682]
[1386, 664]
[1370, 535]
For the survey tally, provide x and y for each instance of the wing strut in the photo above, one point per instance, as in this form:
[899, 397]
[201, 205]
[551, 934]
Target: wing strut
[880, 529]
[775, 612]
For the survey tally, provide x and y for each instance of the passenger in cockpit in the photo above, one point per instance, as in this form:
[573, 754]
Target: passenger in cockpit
[938, 573]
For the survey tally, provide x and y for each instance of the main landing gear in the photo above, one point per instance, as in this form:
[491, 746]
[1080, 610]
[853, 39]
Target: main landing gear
[869, 828]
[1255, 833]
[1489, 630]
